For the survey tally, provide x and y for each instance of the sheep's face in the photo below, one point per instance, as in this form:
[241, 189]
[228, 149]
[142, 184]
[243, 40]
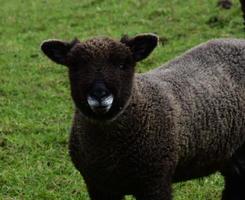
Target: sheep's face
[101, 71]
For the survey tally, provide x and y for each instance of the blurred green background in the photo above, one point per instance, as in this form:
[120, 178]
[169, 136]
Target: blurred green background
[35, 104]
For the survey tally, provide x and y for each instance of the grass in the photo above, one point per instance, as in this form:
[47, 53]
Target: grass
[35, 105]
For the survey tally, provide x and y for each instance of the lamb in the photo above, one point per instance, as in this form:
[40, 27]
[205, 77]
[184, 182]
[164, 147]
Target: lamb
[139, 133]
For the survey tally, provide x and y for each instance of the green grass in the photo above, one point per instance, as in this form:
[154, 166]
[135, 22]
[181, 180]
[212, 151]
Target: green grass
[35, 105]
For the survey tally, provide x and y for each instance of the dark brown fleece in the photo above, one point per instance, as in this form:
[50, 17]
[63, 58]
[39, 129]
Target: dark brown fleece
[183, 120]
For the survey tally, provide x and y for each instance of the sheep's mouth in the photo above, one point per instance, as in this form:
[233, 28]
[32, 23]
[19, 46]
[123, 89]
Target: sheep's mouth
[100, 106]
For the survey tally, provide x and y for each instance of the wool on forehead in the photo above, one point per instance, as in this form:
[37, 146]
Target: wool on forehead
[100, 47]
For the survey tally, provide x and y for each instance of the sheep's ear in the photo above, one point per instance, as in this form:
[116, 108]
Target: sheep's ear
[57, 50]
[141, 45]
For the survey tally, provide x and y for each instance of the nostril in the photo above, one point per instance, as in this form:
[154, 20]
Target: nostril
[99, 94]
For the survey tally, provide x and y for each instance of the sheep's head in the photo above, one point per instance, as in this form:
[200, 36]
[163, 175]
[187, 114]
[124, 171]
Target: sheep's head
[101, 70]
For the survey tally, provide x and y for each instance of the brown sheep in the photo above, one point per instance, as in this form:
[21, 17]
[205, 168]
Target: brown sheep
[138, 133]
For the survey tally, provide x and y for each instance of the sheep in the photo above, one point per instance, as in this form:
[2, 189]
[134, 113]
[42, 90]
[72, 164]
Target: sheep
[136, 134]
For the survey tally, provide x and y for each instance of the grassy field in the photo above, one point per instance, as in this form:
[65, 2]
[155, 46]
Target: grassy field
[35, 105]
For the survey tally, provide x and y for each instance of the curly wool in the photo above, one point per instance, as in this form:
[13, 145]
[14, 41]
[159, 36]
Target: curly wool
[185, 119]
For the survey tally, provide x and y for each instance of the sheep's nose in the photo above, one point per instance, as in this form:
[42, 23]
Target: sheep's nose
[101, 105]
[100, 100]
[99, 94]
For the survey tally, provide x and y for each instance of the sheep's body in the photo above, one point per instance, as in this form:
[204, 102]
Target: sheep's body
[136, 134]
[184, 120]
[207, 86]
